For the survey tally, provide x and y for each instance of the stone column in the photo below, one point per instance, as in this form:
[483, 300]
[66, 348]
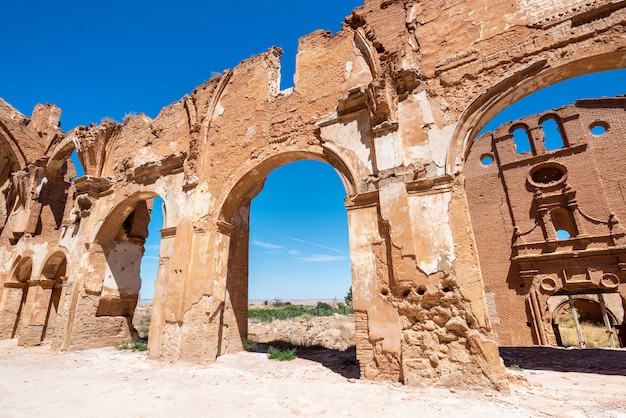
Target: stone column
[370, 278]
[235, 323]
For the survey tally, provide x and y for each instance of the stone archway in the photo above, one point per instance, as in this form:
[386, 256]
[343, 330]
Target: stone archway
[392, 101]
[111, 290]
[43, 300]
[54, 271]
[587, 320]
[236, 214]
[516, 85]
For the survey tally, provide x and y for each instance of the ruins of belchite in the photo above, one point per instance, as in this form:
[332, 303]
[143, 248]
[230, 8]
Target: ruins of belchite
[546, 211]
[393, 102]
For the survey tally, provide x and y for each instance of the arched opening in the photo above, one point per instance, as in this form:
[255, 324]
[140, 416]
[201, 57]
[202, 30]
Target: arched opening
[126, 241]
[560, 185]
[33, 200]
[521, 139]
[13, 299]
[553, 138]
[292, 238]
[535, 89]
[59, 267]
[142, 316]
[49, 294]
[563, 223]
[8, 194]
[585, 321]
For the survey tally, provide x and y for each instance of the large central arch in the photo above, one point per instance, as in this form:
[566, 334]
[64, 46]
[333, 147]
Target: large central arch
[236, 213]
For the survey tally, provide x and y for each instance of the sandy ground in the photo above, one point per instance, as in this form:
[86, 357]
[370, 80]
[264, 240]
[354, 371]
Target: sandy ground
[113, 383]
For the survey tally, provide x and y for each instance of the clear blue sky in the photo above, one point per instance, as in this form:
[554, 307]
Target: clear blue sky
[97, 60]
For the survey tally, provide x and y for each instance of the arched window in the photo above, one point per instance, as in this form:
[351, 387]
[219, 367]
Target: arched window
[563, 222]
[521, 138]
[553, 137]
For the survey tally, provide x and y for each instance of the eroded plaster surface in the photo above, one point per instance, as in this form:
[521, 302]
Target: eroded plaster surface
[392, 101]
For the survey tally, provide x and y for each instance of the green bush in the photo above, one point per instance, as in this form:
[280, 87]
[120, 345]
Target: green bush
[348, 297]
[276, 354]
[249, 345]
[296, 311]
[138, 344]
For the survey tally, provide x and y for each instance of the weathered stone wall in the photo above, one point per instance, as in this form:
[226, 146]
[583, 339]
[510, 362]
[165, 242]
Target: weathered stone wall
[392, 102]
[515, 201]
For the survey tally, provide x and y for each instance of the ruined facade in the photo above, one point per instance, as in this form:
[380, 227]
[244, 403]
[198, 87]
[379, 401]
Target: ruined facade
[547, 220]
[393, 102]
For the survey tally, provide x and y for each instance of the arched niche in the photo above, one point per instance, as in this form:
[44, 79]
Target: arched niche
[13, 298]
[48, 296]
[563, 220]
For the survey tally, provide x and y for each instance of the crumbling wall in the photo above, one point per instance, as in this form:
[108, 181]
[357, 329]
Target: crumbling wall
[392, 101]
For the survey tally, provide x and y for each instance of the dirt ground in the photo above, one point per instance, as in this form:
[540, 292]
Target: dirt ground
[112, 383]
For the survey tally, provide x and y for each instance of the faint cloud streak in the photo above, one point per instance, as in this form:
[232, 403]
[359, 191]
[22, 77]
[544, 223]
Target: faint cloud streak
[316, 245]
[321, 258]
[266, 245]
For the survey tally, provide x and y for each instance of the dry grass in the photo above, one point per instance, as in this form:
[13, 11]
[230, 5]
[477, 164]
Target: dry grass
[594, 334]
[142, 319]
[334, 332]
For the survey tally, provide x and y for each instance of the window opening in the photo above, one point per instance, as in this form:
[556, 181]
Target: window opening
[598, 128]
[563, 223]
[552, 136]
[521, 140]
[562, 234]
[486, 159]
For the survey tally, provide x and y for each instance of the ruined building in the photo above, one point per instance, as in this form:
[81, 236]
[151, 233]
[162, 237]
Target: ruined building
[393, 102]
[547, 220]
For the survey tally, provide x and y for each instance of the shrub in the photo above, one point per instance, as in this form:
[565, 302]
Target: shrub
[276, 354]
[249, 345]
[138, 344]
[297, 311]
[348, 297]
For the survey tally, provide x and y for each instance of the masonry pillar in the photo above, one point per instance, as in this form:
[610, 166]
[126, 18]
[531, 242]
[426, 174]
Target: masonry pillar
[368, 259]
[430, 325]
